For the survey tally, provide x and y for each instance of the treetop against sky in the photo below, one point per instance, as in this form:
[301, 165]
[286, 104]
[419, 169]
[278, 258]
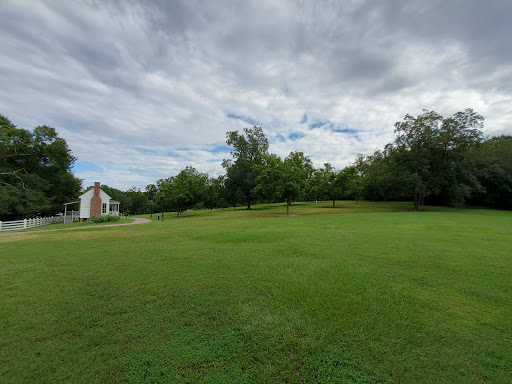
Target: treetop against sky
[140, 90]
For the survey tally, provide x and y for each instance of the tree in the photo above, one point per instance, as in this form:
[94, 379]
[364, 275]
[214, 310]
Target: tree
[282, 179]
[185, 190]
[428, 154]
[352, 183]
[151, 190]
[213, 193]
[269, 177]
[137, 201]
[249, 149]
[295, 177]
[35, 173]
[493, 161]
[328, 183]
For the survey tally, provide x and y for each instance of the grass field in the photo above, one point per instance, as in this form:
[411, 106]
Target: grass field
[368, 293]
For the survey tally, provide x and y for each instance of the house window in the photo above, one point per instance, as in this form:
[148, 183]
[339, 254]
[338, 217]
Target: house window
[104, 208]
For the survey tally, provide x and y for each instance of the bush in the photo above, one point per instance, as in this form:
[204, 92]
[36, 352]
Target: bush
[104, 218]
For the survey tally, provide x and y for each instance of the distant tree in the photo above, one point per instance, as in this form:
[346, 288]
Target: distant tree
[277, 179]
[137, 201]
[429, 152]
[233, 181]
[352, 183]
[35, 175]
[493, 163]
[151, 191]
[214, 196]
[328, 183]
[269, 176]
[380, 180]
[249, 149]
[297, 167]
[185, 190]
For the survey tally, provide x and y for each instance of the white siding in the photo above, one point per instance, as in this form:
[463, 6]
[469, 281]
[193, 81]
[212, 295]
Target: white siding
[105, 199]
[85, 204]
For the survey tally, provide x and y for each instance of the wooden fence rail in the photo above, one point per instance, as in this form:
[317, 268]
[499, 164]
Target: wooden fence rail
[29, 223]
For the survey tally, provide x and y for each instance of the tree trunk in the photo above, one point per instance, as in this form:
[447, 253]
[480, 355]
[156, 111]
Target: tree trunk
[334, 203]
[288, 203]
[417, 201]
[248, 204]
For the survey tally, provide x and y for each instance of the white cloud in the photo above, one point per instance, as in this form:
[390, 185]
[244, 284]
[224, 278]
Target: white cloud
[140, 91]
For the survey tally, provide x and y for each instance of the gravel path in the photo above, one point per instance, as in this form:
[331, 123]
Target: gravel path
[136, 220]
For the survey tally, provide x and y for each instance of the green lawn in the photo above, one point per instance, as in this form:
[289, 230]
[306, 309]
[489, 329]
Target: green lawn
[362, 293]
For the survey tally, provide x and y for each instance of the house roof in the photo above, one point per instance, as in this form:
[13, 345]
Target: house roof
[114, 202]
[90, 189]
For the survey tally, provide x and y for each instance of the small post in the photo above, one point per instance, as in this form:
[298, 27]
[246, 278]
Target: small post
[24, 223]
[0, 225]
[163, 205]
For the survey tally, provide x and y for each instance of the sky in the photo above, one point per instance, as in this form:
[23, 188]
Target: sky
[141, 89]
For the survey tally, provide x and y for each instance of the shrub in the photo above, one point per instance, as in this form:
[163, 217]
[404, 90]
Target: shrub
[104, 218]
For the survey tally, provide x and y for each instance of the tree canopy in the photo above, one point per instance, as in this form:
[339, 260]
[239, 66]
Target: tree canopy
[35, 171]
[185, 190]
[248, 150]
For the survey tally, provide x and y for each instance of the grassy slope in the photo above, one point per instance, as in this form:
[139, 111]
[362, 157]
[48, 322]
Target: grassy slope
[380, 295]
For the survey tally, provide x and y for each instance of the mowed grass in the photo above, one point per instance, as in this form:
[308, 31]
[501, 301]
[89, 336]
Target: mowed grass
[363, 293]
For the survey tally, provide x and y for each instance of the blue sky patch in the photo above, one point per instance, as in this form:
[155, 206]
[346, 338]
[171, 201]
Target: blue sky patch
[222, 148]
[346, 130]
[319, 124]
[295, 136]
[85, 166]
[245, 119]
[144, 150]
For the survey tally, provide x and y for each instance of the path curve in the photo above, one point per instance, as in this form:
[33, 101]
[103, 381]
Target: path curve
[136, 220]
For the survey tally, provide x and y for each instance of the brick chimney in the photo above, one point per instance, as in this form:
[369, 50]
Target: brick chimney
[96, 201]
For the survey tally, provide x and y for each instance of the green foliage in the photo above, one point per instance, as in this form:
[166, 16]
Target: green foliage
[213, 196]
[104, 218]
[277, 179]
[136, 202]
[151, 191]
[269, 178]
[352, 183]
[185, 190]
[427, 160]
[328, 183]
[35, 174]
[249, 149]
[493, 162]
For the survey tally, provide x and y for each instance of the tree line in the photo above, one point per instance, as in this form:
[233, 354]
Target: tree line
[432, 160]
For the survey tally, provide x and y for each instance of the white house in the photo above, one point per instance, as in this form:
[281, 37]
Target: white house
[95, 202]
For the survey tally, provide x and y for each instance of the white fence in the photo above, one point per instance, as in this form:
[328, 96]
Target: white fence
[71, 216]
[29, 223]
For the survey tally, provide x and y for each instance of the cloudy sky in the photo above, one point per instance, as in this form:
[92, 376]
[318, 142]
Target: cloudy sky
[141, 89]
